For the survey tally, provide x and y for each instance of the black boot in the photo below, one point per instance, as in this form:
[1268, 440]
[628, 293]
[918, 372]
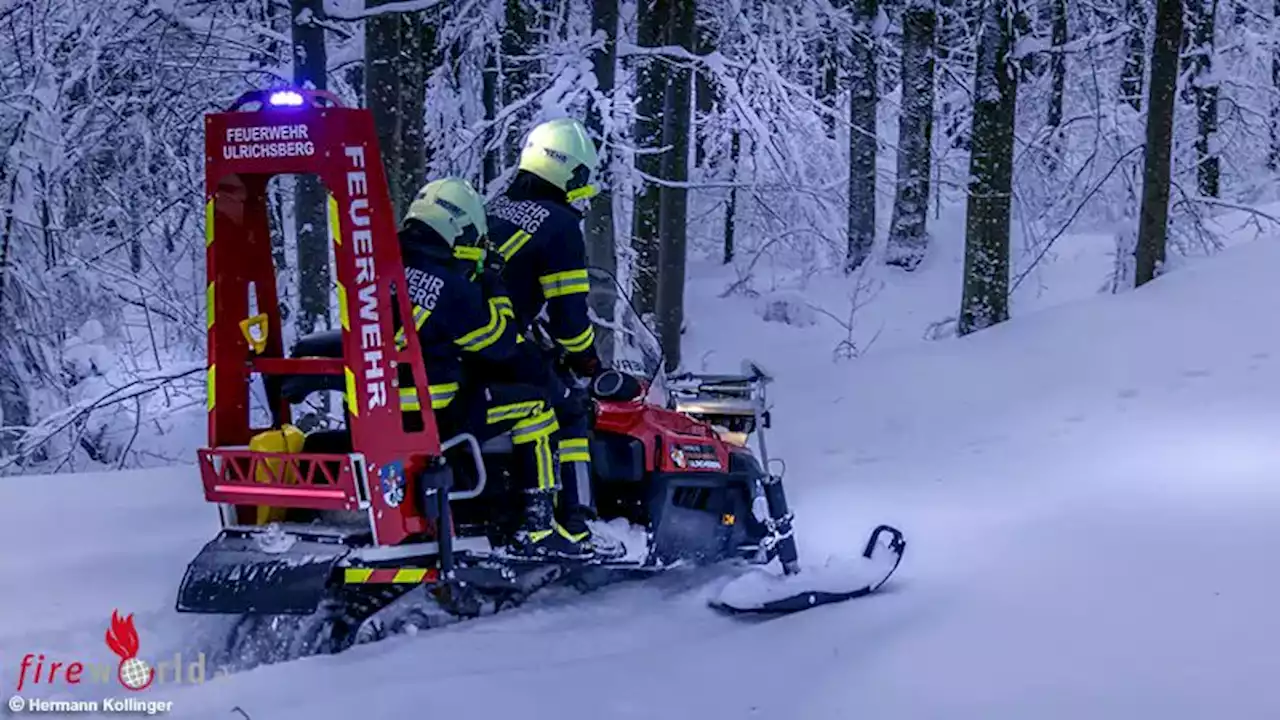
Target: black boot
[541, 536]
[575, 509]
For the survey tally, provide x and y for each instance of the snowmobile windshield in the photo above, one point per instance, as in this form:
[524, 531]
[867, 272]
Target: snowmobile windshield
[623, 341]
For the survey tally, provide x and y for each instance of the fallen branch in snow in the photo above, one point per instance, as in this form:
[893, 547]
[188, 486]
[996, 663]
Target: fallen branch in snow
[36, 436]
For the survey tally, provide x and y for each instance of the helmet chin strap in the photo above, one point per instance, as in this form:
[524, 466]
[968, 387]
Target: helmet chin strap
[580, 199]
[586, 192]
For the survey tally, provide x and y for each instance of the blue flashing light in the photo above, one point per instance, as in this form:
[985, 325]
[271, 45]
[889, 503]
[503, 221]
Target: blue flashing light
[285, 98]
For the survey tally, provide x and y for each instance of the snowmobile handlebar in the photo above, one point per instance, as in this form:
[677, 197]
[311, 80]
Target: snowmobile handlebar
[752, 374]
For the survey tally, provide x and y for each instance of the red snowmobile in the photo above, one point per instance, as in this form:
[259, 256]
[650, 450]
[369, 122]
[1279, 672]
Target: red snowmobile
[337, 524]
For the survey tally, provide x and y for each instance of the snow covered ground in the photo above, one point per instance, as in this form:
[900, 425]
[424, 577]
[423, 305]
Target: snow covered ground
[1091, 497]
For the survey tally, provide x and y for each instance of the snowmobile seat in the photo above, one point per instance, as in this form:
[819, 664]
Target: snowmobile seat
[500, 445]
[326, 344]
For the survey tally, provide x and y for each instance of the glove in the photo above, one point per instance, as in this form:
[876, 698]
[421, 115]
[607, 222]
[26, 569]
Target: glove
[585, 365]
[493, 261]
[490, 283]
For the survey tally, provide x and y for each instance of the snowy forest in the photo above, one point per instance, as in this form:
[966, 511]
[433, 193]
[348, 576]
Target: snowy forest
[784, 139]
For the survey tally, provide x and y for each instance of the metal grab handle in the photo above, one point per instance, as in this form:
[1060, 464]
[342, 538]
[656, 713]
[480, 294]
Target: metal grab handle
[476, 456]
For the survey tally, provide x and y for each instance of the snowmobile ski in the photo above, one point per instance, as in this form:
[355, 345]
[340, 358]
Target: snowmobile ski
[762, 592]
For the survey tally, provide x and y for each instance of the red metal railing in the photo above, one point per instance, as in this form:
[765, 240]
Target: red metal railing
[311, 480]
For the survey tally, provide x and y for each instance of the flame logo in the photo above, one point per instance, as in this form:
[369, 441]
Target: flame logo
[122, 638]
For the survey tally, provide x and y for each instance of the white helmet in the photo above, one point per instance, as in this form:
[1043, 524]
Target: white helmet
[560, 152]
[453, 209]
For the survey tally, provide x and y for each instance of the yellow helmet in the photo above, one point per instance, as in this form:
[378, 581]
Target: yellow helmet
[560, 152]
[453, 209]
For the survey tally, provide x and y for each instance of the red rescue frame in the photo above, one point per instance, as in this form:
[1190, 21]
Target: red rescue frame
[245, 147]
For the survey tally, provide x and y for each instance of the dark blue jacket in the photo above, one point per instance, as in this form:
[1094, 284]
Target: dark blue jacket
[453, 318]
[538, 235]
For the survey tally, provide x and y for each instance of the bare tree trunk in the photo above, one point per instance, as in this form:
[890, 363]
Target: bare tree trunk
[675, 200]
[863, 96]
[489, 97]
[382, 91]
[601, 251]
[827, 53]
[517, 44]
[731, 204]
[704, 90]
[310, 227]
[1058, 78]
[650, 86]
[908, 229]
[1161, 100]
[985, 301]
[1273, 158]
[396, 62]
[1204, 90]
[952, 30]
[417, 51]
[1135, 14]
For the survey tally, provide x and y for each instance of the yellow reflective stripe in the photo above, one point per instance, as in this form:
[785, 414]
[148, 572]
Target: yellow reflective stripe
[579, 342]
[401, 576]
[208, 302]
[352, 406]
[568, 282]
[484, 336]
[420, 316]
[574, 450]
[469, 253]
[208, 222]
[535, 427]
[513, 411]
[441, 396]
[356, 575]
[503, 305]
[210, 383]
[410, 575]
[335, 234]
[545, 463]
[409, 399]
[344, 315]
[513, 244]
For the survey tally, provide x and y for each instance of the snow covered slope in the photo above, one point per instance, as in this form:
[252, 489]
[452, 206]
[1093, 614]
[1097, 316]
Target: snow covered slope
[1091, 498]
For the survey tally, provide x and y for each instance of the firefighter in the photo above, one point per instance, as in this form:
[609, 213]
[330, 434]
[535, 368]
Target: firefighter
[455, 325]
[536, 233]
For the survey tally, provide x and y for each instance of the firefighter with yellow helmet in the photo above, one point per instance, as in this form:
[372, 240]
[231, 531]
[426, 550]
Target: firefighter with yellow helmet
[535, 228]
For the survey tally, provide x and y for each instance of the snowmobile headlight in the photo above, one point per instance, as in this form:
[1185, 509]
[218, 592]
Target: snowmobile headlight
[285, 98]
